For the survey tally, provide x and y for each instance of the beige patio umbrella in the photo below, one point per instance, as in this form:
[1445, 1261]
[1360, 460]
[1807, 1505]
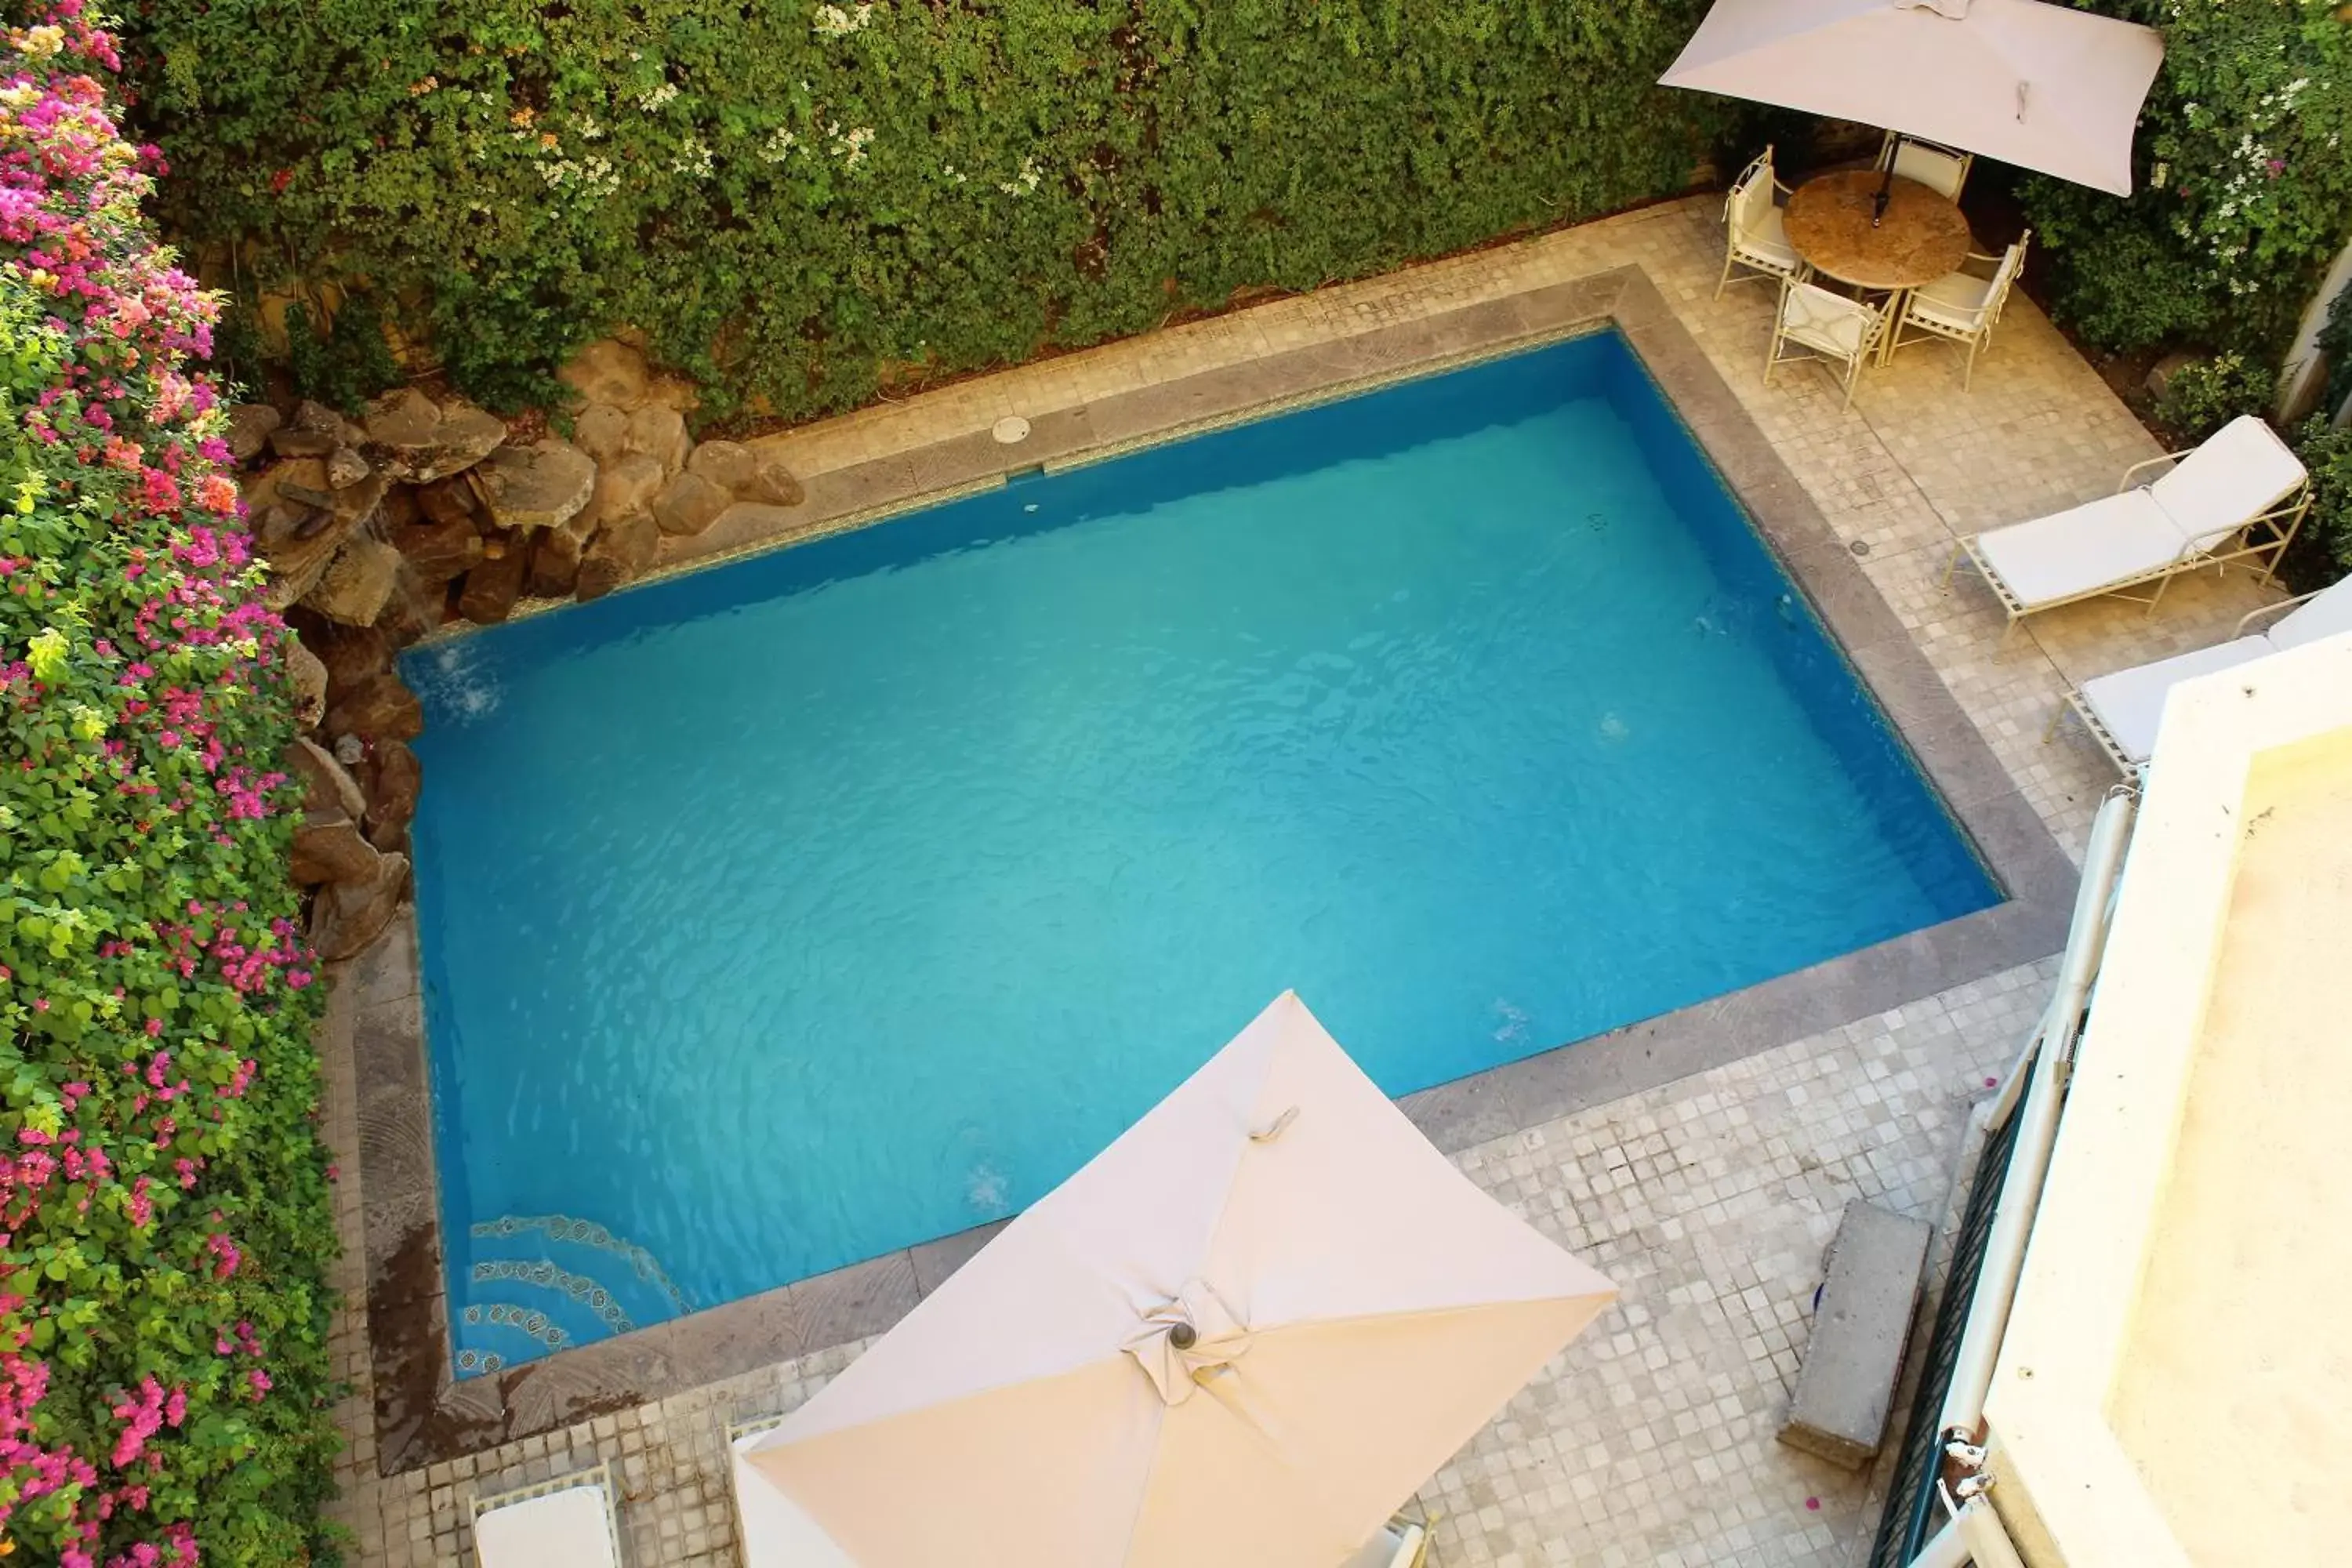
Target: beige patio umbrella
[1242, 1336]
[2037, 85]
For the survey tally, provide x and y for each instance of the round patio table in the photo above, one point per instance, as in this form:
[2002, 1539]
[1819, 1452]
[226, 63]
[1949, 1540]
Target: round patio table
[1922, 238]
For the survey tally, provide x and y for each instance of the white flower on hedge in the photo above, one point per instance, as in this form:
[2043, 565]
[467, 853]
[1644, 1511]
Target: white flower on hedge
[780, 145]
[850, 145]
[651, 101]
[24, 95]
[1026, 181]
[693, 158]
[832, 22]
[587, 126]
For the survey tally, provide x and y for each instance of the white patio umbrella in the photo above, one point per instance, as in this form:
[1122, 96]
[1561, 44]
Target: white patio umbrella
[2037, 85]
[1242, 1336]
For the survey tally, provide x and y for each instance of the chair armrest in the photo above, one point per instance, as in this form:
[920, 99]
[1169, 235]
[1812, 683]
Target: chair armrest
[2126, 482]
[2259, 611]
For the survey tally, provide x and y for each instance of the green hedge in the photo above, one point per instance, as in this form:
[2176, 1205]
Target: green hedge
[164, 1214]
[2245, 169]
[804, 205]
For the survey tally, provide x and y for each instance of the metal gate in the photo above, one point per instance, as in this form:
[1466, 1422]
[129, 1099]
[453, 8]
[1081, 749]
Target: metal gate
[1910, 1516]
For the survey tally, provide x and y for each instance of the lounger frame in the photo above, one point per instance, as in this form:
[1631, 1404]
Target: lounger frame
[599, 1476]
[2263, 537]
[2073, 701]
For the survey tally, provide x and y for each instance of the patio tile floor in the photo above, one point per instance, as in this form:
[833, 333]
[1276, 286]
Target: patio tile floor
[1709, 1199]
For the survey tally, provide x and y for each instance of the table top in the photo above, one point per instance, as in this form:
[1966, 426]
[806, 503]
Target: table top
[1922, 238]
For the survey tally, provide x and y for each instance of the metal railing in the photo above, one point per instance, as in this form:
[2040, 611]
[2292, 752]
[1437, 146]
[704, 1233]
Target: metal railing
[1910, 1516]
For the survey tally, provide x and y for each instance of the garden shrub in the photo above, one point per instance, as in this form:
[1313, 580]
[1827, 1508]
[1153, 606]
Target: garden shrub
[2207, 394]
[802, 205]
[164, 1218]
[2328, 453]
[2244, 171]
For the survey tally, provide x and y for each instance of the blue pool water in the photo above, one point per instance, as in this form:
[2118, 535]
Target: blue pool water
[784, 914]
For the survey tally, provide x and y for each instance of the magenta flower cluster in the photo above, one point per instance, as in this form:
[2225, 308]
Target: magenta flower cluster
[164, 1218]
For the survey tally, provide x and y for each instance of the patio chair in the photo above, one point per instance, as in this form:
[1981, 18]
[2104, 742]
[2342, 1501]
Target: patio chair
[2238, 497]
[1960, 307]
[1943, 170]
[563, 1523]
[2122, 710]
[1826, 327]
[1753, 238]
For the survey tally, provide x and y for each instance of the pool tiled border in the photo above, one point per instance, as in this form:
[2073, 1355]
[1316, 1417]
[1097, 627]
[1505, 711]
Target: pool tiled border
[423, 1416]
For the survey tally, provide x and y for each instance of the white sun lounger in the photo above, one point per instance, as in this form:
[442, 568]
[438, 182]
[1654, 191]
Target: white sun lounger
[2122, 710]
[562, 1523]
[1402, 1543]
[2239, 497]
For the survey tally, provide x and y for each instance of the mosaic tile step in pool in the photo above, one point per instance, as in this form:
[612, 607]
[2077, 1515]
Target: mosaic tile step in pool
[792, 912]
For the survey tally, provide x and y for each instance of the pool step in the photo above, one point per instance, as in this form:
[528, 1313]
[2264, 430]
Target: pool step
[536, 1284]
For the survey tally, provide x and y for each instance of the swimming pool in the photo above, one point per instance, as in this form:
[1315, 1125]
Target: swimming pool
[784, 914]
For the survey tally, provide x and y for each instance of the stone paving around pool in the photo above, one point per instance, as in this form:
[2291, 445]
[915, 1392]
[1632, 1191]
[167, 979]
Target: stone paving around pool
[1708, 1199]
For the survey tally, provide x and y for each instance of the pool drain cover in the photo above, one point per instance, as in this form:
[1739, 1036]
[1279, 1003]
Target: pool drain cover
[1011, 429]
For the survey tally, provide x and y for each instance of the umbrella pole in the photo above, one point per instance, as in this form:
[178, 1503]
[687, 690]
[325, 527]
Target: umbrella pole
[1886, 193]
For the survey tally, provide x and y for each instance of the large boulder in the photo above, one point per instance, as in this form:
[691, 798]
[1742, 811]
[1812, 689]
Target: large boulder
[345, 468]
[353, 655]
[414, 609]
[607, 372]
[730, 465]
[356, 582]
[676, 391]
[348, 916]
[624, 489]
[492, 588]
[314, 431]
[395, 779]
[249, 425]
[414, 438]
[623, 549]
[308, 673]
[602, 431]
[297, 526]
[658, 431]
[378, 708]
[555, 555]
[773, 484]
[312, 415]
[543, 485]
[300, 521]
[329, 848]
[446, 501]
[332, 790]
[440, 551]
[292, 441]
[689, 503]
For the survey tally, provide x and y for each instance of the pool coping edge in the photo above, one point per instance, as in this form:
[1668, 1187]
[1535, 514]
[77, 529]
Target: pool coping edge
[423, 1414]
